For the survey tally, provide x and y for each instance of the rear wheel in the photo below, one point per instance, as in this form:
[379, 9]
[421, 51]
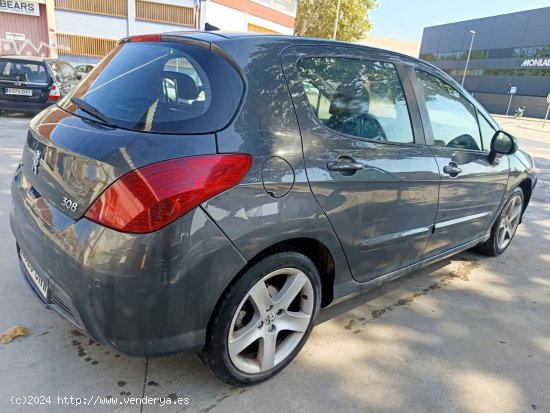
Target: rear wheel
[264, 319]
[505, 226]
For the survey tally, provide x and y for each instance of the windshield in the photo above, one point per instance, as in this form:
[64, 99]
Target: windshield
[21, 71]
[162, 87]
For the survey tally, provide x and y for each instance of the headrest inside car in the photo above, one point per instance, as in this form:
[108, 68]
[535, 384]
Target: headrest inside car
[186, 88]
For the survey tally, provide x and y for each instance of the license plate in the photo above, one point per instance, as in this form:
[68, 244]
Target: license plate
[18, 92]
[41, 285]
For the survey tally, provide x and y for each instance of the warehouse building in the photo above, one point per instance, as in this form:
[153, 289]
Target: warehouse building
[83, 31]
[509, 53]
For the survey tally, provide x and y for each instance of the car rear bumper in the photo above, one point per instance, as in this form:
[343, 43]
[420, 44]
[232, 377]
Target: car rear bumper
[24, 107]
[57, 298]
[148, 294]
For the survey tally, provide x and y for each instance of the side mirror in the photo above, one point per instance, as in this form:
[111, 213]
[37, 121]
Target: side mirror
[502, 144]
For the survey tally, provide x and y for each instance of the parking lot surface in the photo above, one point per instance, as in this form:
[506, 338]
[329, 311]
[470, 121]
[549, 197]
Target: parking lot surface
[469, 334]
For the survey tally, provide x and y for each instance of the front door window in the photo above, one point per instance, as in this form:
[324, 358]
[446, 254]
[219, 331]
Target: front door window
[452, 117]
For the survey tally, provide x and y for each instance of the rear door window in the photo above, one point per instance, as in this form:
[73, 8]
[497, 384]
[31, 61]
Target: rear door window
[21, 71]
[163, 87]
[358, 97]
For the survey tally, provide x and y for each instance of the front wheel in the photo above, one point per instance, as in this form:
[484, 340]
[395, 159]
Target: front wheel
[264, 319]
[505, 226]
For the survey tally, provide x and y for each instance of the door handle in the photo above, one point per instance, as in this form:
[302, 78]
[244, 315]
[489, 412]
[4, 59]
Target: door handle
[452, 169]
[342, 166]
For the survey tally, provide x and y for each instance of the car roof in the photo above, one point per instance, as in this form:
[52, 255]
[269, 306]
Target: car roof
[219, 37]
[33, 59]
[28, 58]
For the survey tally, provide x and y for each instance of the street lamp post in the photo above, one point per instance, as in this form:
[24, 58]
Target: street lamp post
[336, 20]
[468, 59]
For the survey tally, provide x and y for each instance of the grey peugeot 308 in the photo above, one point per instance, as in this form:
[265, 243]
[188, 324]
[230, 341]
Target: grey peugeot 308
[209, 193]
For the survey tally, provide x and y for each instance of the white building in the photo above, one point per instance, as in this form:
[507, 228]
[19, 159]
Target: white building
[407, 47]
[83, 31]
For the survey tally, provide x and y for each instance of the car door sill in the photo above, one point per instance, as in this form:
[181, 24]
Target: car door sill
[360, 288]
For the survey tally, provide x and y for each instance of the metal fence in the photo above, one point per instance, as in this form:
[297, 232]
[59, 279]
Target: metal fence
[118, 8]
[84, 45]
[165, 13]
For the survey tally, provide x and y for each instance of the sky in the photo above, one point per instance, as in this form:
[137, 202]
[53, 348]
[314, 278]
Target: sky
[405, 19]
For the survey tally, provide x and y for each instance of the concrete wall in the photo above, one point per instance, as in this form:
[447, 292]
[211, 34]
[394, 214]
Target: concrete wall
[87, 24]
[144, 27]
[109, 27]
[79, 60]
[229, 19]
[407, 47]
[184, 3]
[535, 107]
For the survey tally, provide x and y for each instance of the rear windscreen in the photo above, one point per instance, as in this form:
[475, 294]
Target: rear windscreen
[162, 87]
[63, 71]
[21, 71]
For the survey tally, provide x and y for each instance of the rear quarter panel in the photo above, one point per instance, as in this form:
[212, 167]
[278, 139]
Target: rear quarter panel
[267, 128]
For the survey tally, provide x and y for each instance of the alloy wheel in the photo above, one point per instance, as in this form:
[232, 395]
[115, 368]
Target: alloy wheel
[509, 222]
[271, 320]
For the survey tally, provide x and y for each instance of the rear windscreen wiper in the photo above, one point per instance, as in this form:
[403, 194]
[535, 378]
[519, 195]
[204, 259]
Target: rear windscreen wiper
[86, 107]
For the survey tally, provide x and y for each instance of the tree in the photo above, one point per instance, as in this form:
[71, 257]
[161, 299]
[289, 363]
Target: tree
[315, 18]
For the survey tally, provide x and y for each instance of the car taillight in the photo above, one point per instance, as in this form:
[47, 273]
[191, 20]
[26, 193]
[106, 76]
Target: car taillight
[149, 198]
[55, 93]
[156, 37]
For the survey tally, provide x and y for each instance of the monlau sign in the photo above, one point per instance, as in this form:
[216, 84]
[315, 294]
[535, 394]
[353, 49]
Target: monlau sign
[536, 63]
[20, 7]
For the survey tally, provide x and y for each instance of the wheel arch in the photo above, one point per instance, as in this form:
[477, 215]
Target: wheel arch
[315, 250]
[312, 248]
[527, 187]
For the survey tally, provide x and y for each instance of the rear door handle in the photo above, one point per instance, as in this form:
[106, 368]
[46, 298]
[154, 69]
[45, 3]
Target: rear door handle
[342, 166]
[452, 169]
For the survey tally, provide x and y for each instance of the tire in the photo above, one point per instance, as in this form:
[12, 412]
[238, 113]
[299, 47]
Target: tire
[248, 323]
[505, 226]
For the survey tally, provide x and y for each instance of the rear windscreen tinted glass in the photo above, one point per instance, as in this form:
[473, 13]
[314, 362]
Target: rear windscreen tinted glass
[63, 72]
[162, 87]
[21, 71]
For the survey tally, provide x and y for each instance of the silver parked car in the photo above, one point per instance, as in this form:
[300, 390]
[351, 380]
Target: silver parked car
[84, 69]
